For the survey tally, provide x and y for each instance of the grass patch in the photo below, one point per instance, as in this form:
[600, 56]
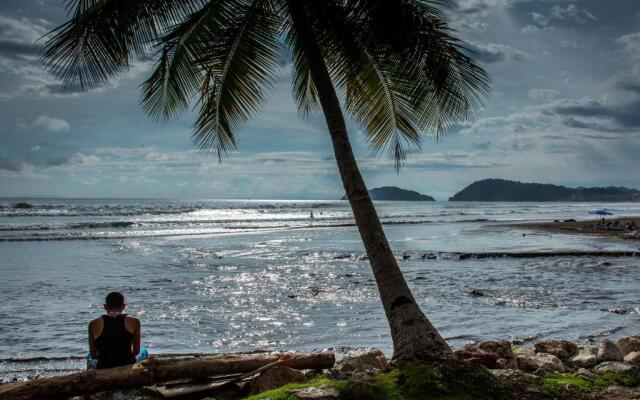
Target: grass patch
[555, 383]
[451, 380]
[282, 393]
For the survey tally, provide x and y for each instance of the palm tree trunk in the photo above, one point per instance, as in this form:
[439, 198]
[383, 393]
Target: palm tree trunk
[413, 336]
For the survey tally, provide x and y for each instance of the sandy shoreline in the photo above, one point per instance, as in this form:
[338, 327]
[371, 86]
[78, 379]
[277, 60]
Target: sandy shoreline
[590, 227]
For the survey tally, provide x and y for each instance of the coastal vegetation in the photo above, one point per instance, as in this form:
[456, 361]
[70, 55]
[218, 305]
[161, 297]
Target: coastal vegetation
[504, 190]
[395, 64]
[392, 193]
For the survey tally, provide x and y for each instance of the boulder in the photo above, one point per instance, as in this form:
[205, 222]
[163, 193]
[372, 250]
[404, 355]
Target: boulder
[491, 354]
[507, 363]
[369, 359]
[501, 348]
[488, 360]
[511, 375]
[272, 378]
[323, 392]
[527, 363]
[622, 392]
[562, 349]
[549, 362]
[632, 358]
[360, 385]
[609, 351]
[586, 373]
[585, 358]
[629, 344]
[616, 366]
[524, 351]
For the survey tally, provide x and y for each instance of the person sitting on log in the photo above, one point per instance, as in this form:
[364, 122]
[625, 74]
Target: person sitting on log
[114, 338]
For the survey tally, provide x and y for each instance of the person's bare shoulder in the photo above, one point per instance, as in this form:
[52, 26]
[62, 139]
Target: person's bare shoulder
[133, 323]
[95, 326]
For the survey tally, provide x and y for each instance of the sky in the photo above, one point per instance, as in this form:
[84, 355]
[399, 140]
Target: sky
[564, 109]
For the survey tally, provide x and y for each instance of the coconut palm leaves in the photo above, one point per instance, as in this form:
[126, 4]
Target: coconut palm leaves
[400, 72]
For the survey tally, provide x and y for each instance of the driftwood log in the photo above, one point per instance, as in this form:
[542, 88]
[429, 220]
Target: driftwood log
[153, 371]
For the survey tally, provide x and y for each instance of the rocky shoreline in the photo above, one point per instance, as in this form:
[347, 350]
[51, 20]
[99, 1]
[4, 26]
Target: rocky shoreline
[550, 369]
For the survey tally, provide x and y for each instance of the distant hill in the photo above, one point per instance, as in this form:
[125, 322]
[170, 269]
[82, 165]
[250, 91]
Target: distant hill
[392, 193]
[503, 190]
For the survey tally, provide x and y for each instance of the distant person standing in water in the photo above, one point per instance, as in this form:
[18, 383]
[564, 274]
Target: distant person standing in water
[114, 338]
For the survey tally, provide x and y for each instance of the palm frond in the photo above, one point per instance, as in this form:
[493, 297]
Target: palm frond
[402, 73]
[102, 36]
[177, 75]
[377, 97]
[240, 68]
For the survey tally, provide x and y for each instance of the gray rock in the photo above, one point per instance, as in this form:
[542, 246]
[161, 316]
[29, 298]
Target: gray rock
[524, 351]
[361, 360]
[632, 358]
[623, 392]
[609, 351]
[549, 362]
[616, 366]
[586, 373]
[507, 363]
[629, 344]
[487, 360]
[511, 375]
[323, 392]
[586, 358]
[562, 349]
[272, 378]
[491, 354]
[527, 363]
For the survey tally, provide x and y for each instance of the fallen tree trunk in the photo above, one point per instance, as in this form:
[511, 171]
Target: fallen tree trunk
[153, 371]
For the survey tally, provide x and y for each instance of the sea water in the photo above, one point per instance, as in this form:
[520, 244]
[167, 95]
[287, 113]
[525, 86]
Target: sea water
[223, 275]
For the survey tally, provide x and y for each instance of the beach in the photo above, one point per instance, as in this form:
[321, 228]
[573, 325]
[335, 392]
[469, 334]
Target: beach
[595, 227]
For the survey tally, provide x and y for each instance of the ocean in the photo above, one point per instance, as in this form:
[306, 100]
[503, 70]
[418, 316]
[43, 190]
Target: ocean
[244, 275]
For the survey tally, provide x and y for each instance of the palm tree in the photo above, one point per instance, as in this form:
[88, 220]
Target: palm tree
[394, 64]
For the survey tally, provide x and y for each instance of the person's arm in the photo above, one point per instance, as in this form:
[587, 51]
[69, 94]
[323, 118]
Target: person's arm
[136, 336]
[92, 342]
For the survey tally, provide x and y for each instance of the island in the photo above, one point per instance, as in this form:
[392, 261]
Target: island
[504, 190]
[392, 193]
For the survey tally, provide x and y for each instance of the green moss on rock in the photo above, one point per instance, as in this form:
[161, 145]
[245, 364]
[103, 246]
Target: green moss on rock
[555, 383]
[451, 380]
[283, 393]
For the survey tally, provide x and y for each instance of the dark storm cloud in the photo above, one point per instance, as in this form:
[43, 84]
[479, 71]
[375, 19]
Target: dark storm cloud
[15, 50]
[623, 115]
[19, 37]
[12, 165]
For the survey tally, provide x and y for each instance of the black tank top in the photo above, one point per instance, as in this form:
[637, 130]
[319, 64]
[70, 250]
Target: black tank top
[114, 343]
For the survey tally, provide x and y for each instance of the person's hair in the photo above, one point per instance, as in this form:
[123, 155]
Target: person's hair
[114, 300]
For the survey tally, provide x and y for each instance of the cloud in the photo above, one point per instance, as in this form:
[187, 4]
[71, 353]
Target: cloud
[619, 115]
[631, 44]
[629, 80]
[557, 13]
[529, 29]
[47, 123]
[18, 37]
[540, 19]
[10, 167]
[494, 52]
[543, 94]
[572, 12]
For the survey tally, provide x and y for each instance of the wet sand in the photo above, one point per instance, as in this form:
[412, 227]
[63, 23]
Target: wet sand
[589, 227]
